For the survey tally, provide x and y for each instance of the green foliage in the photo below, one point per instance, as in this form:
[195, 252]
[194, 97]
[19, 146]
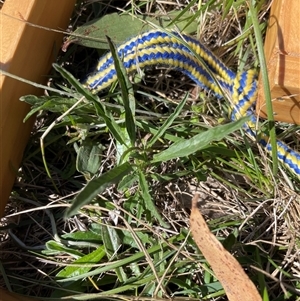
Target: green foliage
[121, 27]
[126, 150]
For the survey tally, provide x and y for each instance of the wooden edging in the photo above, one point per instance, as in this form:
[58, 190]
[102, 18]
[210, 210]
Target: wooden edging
[26, 51]
[282, 50]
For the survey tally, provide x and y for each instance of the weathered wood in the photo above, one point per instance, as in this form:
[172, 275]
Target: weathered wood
[27, 52]
[282, 50]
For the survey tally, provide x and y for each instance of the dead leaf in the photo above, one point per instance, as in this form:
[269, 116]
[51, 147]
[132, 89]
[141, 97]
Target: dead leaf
[228, 271]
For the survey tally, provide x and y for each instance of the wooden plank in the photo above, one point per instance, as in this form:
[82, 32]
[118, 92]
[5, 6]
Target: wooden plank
[27, 52]
[282, 50]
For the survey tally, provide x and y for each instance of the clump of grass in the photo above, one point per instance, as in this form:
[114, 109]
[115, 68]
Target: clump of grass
[127, 231]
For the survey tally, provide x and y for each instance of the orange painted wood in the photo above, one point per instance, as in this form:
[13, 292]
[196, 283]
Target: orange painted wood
[27, 52]
[282, 50]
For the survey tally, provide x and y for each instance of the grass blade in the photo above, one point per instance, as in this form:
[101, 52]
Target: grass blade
[126, 261]
[148, 200]
[168, 122]
[100, 109]
[98, 185]
[198, 142]
[265, 80]
[127, 93]
[86, 262]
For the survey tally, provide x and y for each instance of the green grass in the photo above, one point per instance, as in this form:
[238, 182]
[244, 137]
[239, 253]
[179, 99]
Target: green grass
[101, 209]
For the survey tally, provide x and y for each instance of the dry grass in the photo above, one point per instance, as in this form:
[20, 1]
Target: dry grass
[259, 211]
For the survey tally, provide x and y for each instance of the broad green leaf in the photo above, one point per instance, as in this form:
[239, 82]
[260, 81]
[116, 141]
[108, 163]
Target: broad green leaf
[187, 147]
[53, 247]
[121, 27]
[89, 157]
[85, 262]
[98, 185]
[87, 236]
[213, 150]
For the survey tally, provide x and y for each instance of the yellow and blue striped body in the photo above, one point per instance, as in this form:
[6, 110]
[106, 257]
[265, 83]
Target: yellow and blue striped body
[194, 60]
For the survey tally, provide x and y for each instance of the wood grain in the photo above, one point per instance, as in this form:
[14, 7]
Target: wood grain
[282, 51]
[27, 52]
